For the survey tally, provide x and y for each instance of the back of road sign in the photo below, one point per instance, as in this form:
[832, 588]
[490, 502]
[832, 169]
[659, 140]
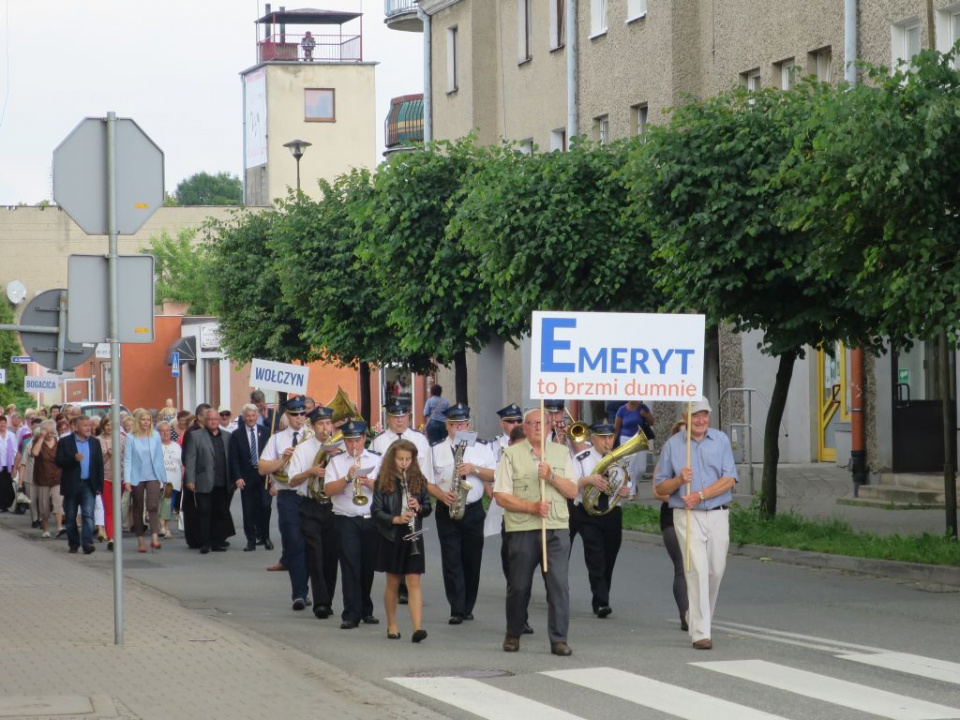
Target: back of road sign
[87, 284]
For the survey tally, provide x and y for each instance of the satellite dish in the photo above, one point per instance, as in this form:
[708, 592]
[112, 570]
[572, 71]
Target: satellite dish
[16, 292]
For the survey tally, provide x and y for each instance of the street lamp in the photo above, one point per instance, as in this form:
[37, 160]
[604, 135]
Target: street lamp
[297, 148]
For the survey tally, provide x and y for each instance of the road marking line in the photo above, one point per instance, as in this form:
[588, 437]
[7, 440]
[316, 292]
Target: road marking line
[798, 636]
[912, 664]
[483, 700]
[798, 643]
[828, 689]
[660, 696]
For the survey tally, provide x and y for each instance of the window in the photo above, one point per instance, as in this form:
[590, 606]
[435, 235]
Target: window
[948, 30]
[598, 17]
[558, 140]
[636, 9]
[820, 64]
[639, 114]
[904, 40]
[603, 129]
[558, 19]
[452, 69]
[524, 13]
[526, 146]
[319, 105]
[751, 80]
[787, 72]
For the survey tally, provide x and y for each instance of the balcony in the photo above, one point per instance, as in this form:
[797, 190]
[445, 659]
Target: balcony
[404, 124]
[323, 48]
[402, 15]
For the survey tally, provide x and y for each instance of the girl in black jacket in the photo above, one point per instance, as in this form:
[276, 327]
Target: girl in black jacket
[399, 558]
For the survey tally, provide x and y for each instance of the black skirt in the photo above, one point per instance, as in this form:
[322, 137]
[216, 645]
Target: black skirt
[393, 556]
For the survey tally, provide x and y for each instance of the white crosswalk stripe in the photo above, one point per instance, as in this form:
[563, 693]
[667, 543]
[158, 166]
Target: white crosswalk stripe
[656, 695]
[941, 670]
[482, 700]
[839, 692]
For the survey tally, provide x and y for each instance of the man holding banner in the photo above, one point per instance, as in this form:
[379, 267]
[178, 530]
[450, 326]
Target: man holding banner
[700, 494]
[517, 489]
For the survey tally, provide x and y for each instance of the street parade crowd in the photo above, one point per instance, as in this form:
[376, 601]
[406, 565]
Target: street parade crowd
[350, 502]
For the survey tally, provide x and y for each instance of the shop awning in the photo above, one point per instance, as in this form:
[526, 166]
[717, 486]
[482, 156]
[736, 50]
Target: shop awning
[186, 346]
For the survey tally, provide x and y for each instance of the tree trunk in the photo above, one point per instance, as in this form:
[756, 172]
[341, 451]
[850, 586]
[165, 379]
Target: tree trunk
[949, 415]
[365, 391]
[771, 432]
[460, 371]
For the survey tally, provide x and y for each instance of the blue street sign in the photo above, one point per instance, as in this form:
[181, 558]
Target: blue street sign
[175, 364]
[21, 359]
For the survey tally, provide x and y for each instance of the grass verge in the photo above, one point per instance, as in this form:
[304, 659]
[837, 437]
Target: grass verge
[834, 536]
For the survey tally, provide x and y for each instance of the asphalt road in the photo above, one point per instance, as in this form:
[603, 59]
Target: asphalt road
[790, 642]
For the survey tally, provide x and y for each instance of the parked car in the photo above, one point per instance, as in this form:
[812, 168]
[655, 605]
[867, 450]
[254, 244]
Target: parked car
[96, 409]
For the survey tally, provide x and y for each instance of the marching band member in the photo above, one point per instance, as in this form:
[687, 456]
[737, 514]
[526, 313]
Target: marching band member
[307, 474]
[461, 539]
[350, 484]
[517, 489]
[510, 417]
[601, 534]
[274, 462]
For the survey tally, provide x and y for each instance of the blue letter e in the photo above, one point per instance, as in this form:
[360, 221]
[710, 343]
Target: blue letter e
[549, 344]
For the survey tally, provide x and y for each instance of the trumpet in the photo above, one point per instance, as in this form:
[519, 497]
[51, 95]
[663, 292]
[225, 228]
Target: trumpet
[358, 497]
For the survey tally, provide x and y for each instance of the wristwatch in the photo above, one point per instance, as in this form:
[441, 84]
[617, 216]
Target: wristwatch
[702, 496]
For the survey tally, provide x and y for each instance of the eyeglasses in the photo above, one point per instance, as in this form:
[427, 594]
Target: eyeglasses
[226, 414]
[534, 423]
[512, 421]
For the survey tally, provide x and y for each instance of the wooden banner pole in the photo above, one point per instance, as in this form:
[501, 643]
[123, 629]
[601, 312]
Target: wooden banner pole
[686, 558]
[543, 486]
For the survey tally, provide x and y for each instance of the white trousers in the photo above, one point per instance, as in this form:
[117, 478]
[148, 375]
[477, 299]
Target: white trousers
[709, 542]
[98, 512]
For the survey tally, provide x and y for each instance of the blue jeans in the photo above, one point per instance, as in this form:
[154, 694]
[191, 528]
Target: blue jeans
[85, 500]
[294, 552]
[436, 431]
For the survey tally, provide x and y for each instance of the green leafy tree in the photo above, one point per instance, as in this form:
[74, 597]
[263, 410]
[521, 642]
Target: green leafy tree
[182, 269]
[206, 189]
[12, 391]
[439, 306]
[709, 201]
[344, 315]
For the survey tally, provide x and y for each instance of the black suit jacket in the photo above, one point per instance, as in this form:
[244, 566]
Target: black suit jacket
[240, 467]
[70, 467]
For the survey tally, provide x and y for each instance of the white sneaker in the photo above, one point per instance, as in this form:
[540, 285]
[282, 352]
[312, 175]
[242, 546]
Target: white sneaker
[45, 535]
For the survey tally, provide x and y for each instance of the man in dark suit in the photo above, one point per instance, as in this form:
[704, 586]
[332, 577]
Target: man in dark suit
[80, 460]
[245, 447]
[207, 461]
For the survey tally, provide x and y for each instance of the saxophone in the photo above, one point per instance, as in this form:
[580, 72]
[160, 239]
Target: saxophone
[412, 525]
[459, 485]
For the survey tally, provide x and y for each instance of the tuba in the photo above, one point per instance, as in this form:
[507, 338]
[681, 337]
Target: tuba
[613, 467]
[315, 485]
[459, 485]
[343, 408]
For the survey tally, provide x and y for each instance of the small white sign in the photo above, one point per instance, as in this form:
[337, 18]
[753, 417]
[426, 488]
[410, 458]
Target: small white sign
[617, 356]
[102, 352]
[3, 376]
[41, 383]
[209, 337]
[269, 375]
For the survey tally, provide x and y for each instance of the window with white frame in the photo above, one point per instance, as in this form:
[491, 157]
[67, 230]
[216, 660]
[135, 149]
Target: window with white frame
[558, 17]
[751, 80]
[787, 72]
[524, 17]
[639, 115]
[526, 146]
[603, 128]
[598, 17]
[452, 69]
[820, 64]
[558, 140]
[904, 40]
[636, 9]
[948, 30]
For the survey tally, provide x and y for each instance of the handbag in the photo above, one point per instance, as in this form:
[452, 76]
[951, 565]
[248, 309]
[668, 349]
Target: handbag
[125, 507]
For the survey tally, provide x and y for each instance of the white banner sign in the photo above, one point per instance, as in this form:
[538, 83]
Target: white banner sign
[617, 356]
[269, 375]
[3, 376]
[41, 383]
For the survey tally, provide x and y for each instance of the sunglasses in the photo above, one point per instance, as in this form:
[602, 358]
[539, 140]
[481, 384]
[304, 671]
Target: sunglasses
[512, 421]
[295, 414]
[226, 414]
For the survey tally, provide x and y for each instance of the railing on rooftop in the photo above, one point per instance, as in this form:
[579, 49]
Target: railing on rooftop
[397, 7]
[325, 48]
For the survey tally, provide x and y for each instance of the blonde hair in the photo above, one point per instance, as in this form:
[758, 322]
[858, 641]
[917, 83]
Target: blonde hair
[137, 415]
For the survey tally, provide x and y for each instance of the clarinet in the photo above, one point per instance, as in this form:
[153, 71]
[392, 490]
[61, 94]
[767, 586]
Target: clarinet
[412, 524]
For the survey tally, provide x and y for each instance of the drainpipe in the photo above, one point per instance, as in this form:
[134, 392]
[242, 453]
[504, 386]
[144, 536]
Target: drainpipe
[427, 75]
[858, 452]
[573, 57]
[850, 42]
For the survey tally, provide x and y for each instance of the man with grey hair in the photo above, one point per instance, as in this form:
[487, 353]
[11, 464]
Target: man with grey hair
[246, 443]
[710, 477]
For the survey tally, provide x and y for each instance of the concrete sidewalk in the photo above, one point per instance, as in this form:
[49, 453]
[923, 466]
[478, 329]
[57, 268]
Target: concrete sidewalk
[58, 659]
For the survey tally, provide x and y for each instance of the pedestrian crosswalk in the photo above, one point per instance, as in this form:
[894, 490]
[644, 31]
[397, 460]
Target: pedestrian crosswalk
[826, 693]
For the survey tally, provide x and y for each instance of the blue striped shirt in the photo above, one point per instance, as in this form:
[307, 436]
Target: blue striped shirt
[711, 458]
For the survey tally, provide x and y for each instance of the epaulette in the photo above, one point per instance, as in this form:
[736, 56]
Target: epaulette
[584, 455]
[437, 442]
[373, 452]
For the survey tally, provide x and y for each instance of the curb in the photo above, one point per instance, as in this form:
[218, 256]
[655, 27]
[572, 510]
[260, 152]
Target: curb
[911, 572]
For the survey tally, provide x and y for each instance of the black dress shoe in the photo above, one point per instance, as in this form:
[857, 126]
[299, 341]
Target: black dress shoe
[87, 549]
[267, 545]
[322, 612]
[527, 630]
[299, 604]
[35, 524]
[370, 620]
[419, 636]
[250, 547]
[74, 550]
[455, 620]
[604, 611]
[205, 549]
[348, 625]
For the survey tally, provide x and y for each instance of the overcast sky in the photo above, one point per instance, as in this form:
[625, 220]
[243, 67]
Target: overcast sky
[171, 65]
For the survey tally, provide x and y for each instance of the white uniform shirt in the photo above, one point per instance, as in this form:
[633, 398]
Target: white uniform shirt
[480, 455]
[498, 445]
[585, 463]
[382, 442]
[275, 447]
[338, 469]
[302, 460]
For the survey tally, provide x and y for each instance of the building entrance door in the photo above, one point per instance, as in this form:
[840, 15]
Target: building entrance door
[917, 413]
[833, 404]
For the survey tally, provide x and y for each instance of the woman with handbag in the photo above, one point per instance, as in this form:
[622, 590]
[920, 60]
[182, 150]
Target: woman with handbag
[143, 473]
[173, 466]
[46, 476]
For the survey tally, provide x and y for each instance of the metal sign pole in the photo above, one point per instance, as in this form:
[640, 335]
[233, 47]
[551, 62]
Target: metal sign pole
[114, 340]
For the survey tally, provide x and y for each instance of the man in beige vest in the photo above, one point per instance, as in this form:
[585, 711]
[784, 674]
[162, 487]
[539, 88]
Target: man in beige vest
[517, 490]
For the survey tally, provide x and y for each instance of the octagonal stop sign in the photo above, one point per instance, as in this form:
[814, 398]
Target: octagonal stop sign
[80, 176]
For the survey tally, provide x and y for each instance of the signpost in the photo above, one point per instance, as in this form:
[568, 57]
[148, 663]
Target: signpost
[43, 333]
[108, 177]
[21, 359]
[41, 383]
[175, 371]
